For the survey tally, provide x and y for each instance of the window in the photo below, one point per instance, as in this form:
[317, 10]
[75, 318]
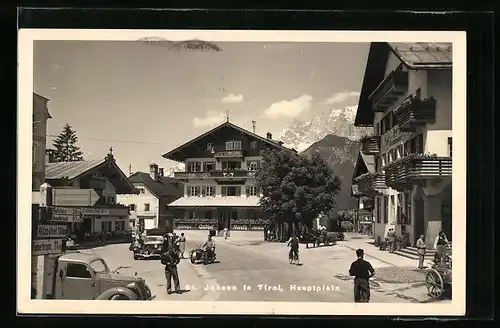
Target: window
[253, 166]
[231, 165]
[99, 266]
[208, 166]
[75, 270]
[231, 191]
[418, 93]
[194, 190]
[141, 191]
[450, 149]
[253, 144]
[111, 200]
[132, 207]
[209, 146]
[208, 191]
[229, 145]
[237, 145]
[408, 211]
[194, 166]
[400, 215]
[385, 207]
[146, 207]
[419, 143]
[252, 191]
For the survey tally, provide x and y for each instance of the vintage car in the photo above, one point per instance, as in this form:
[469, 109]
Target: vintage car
[86, 276]
[152, 247]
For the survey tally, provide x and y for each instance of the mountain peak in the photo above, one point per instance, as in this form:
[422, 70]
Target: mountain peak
[337, 121]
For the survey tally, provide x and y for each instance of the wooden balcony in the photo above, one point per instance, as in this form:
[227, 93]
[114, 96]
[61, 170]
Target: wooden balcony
[416, 169]
[415, 112]
[389, 90]
[370, 145]
[216, 174]
[229, 154]
[371, 183]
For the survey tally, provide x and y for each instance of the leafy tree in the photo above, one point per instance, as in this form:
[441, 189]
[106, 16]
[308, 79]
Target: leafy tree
[65, 148]
[296, 188]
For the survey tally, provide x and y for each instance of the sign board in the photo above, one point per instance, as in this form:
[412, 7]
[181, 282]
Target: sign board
[67, 197]
[46, 247]
[67, 214]
[96, 211]
[51, 231]
[74, 197]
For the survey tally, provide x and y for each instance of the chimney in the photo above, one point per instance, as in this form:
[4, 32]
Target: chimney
[153, 171]
[161, 171]
[269, 136]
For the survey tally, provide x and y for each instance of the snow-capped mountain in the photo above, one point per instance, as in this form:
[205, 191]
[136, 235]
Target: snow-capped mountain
[169, 172]
[339, 122]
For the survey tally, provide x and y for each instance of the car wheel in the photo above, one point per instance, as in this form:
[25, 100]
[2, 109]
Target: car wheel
[119, 297]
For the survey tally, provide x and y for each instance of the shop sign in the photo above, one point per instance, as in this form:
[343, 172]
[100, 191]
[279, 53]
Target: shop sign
[51, 231]
[240, 227]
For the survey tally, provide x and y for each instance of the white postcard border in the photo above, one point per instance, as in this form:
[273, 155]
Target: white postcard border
[25, 100]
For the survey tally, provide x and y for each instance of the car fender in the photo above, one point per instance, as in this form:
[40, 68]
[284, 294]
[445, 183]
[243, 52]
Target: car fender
[117, 291]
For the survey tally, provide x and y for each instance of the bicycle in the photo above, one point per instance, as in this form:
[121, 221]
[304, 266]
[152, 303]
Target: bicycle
[293, 257]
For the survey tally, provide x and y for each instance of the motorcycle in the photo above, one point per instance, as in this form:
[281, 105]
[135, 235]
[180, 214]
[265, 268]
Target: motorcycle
[200, 254]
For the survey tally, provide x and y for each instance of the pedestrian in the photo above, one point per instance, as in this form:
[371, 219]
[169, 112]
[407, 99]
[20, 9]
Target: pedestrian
[225, 232]
[182, 245]
[362, 271]
[440, 245]
[171, 259]
[421, 252]
[392, 240]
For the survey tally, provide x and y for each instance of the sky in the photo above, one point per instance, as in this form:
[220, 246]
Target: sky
[144, 100]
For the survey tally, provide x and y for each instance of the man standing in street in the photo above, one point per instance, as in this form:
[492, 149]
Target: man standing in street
[392, 240]
[421, 252]
[362, 271]
[171, 259]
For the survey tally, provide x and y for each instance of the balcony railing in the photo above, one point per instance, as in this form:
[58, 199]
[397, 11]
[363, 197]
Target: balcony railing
[416, 112]
[371, 183]
[389, 90]
[416, 169]
[216, 174]
[370, 145]
[229, 154]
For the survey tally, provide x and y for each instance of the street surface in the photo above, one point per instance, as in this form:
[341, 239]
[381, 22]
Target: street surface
[248, 269]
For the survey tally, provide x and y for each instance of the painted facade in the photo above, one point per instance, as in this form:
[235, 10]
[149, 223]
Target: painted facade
[219, 180]
[411, 144]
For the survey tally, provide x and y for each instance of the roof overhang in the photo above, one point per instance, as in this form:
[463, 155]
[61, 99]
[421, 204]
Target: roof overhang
[177, 154]
[209, 201]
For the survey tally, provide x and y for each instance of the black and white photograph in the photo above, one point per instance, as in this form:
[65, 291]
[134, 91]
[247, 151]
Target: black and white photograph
[242, 172]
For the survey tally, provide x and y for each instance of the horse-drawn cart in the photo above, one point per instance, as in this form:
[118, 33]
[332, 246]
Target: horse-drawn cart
[318, 238]
[438, 279]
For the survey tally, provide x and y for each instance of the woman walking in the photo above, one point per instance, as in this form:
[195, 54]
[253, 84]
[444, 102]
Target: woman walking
[182, 244]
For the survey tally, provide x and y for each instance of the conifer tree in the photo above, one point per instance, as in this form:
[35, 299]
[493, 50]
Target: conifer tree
[65, 146]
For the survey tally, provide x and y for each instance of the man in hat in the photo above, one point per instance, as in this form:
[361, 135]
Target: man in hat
[171, 259]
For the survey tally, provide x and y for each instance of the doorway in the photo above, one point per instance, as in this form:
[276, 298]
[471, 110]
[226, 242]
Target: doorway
[224, 220]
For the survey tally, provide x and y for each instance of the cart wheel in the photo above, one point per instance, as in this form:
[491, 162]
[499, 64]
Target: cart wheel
[435, 285]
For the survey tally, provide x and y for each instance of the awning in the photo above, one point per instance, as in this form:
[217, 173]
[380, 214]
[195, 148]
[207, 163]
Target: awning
[227, 201]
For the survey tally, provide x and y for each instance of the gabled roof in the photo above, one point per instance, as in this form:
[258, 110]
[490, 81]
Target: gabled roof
[69, 171]
[416, 55]
[172, 155]
[364, 164]
[163, 187]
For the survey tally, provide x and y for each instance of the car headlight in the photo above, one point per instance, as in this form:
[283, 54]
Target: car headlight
[133, 286]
